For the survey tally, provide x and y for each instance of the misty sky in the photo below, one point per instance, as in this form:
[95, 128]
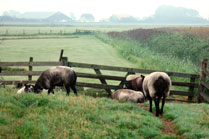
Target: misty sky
[102, 8]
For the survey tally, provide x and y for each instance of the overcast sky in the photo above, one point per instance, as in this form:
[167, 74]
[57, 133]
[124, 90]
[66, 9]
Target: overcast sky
[102, 8]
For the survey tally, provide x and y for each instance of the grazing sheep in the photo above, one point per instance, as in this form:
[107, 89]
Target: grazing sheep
[155, 86]
[57, 76]
[129, 95]
[25, 89]
[134, 82]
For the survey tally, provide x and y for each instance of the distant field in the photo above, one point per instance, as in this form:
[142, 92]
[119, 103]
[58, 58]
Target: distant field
[201, 32]
[85, 49]
[68, 29]
[186, 43]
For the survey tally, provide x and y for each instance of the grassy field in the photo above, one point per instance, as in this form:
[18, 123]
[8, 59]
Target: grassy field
[145, 58]
[85, 49]
[23, 30]
[186, 44]
[43, 116]
[94, 49]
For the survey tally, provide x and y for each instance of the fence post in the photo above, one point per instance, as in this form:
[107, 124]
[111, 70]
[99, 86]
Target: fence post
[204, 66]
[30, 68]
[64, 61]
[191, 88]
[103, 81]
[61, 54]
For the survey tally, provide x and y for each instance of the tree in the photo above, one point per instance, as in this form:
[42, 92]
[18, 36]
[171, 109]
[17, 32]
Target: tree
[86, 17]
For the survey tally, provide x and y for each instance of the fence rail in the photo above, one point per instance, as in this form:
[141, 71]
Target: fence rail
[131, 70]
[87, 75]
[94, 66]
[191, 84]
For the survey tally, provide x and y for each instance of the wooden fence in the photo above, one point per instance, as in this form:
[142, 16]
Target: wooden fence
[203, 85]
[190, 85]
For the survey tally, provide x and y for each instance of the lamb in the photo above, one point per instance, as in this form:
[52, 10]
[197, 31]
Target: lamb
[25, 88]
[134, 82]
[57, 76]
[155, 86]
[128, 95]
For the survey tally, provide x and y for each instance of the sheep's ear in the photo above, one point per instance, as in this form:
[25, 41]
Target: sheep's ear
[142, 76]
[26, 85]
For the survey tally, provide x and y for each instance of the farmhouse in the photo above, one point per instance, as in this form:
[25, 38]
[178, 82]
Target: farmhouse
[58, 18]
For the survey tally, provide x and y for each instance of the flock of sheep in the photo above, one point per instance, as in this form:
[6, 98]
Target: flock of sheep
[139, 88]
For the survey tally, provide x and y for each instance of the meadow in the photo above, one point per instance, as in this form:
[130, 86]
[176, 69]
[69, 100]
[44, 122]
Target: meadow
[50, 30]
[84, 49]
[181, 42]
[43, 116]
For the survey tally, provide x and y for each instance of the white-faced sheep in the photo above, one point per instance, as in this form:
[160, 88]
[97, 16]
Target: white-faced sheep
[134, 82]
[57, 76]
[128, 95]
[25, 88]
[155, 86]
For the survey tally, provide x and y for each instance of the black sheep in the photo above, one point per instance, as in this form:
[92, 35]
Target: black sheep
[57, 76]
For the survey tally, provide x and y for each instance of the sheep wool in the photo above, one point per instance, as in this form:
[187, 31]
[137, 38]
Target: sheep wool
[149, 81]
[156, 86]
[21, 90]
[128, 95]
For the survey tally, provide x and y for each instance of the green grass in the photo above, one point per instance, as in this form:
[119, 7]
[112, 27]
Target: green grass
[182, 46]
[24, 30]
[43, 116]
[85, 49]
[190, 120]
[147, 59]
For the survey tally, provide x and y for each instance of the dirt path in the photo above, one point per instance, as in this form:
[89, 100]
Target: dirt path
[167, 124]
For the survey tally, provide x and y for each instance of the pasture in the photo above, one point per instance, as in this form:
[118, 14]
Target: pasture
[24, 30]
[84, 49]
[43, 116]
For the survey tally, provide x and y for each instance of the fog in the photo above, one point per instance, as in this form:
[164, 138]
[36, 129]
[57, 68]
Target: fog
[102, 9]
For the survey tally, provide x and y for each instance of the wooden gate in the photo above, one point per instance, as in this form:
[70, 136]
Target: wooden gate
[182, 88]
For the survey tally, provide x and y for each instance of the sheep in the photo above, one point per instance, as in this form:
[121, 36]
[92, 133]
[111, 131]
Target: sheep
[155, 86]
[57, 76]
[134, 82]
[25, 88]
[128, 95]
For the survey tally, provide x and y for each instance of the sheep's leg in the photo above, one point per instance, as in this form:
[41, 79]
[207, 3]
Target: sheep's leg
[49, 90]
[157, 101]
[52, 91]
[163, 102]
[150, 104]
[74, 90]
[67, 90]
